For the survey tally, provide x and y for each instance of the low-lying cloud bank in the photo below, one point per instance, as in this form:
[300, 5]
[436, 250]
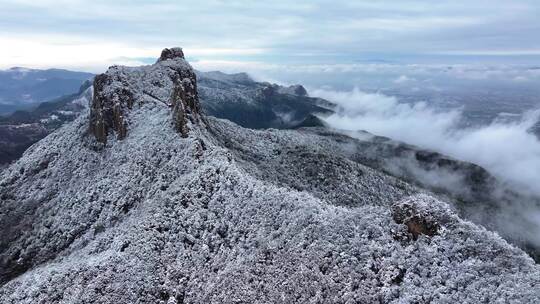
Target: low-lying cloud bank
[505, 148]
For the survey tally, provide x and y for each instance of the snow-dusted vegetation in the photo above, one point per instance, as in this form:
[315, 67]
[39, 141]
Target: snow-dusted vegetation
[223, 214]
[252, 104]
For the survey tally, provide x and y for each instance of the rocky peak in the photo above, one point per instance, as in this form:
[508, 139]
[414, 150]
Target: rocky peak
[296, 89]
[171, 53]
[170, 82]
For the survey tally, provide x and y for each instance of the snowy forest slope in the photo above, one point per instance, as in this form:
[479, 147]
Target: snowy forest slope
[154, 214]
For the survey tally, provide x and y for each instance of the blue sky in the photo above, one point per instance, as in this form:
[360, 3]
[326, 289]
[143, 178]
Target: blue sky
[90, 35]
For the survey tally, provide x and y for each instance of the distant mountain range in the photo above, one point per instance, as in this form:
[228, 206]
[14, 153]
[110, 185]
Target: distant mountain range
[251, 104]
[22, 88]
[21, 129]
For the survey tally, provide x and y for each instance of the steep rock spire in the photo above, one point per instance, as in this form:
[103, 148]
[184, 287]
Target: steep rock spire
[171, 53]
[170, 82]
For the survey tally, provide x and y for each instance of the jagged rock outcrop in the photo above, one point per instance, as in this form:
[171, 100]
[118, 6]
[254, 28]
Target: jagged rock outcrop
[233, 96]
[172, 53]
[170, 82]
[420, 216]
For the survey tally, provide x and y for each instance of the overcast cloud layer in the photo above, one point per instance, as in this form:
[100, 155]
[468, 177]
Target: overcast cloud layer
[91, 35]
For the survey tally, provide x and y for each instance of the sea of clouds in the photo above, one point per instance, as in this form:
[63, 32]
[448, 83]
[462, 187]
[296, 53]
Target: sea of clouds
[506, 148]
[402, 101]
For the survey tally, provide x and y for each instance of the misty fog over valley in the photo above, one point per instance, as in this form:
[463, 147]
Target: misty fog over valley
[487, 114]
[269, 152]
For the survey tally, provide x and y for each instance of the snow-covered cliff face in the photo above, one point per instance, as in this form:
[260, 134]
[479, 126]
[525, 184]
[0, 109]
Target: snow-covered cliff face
[162, 216]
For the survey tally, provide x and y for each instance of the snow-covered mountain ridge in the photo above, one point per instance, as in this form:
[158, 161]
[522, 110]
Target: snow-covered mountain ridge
[258, 105]
[173, 207]
[236, 97]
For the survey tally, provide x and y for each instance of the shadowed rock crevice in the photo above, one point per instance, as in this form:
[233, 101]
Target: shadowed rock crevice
[185, 106]
[106, 110]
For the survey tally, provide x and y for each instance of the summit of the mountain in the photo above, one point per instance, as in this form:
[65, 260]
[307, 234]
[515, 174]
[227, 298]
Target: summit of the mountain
[170, 82]
[172, 53]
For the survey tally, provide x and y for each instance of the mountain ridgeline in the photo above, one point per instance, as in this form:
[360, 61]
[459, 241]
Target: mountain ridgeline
[235, 97]
[22, 88]
[259, 105]
[145, 199]
[22, 129]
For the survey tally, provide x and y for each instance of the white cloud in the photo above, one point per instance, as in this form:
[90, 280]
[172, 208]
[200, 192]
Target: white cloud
[403, 79]
[72, 52]
[68, 52]
[520, 79]
[505, 148]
